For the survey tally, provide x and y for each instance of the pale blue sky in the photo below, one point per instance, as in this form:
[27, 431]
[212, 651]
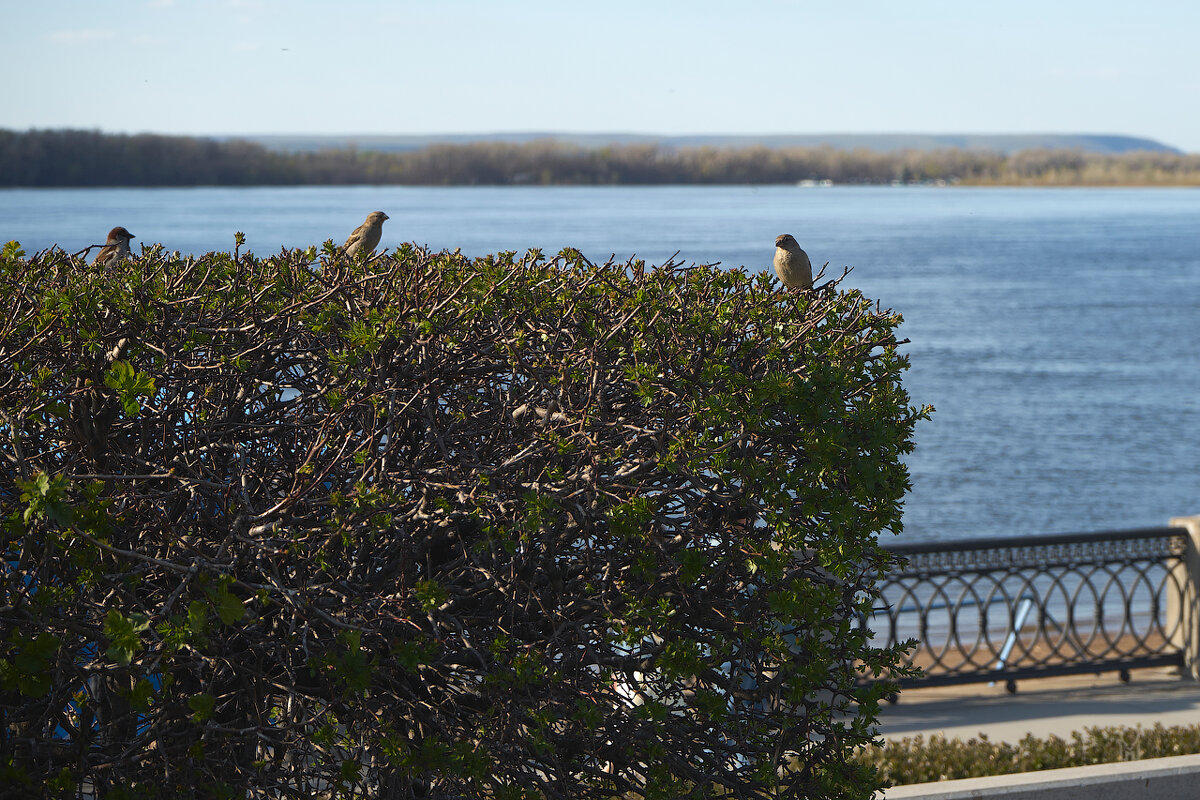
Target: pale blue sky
[460, 66]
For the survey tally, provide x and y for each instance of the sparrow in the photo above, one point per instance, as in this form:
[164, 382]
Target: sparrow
[367, 235]
[791, 263]
[115, 250]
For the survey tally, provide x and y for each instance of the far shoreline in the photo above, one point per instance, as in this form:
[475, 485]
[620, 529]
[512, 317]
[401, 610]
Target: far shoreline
[606, 186]
[80, 159]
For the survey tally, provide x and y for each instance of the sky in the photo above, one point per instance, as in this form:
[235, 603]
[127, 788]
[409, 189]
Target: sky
[461, 66]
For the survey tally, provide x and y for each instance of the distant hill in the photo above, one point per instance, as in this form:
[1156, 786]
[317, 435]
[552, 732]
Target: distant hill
[1002, 143]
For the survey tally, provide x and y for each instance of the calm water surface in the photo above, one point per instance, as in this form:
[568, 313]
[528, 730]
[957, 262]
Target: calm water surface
[1057, 332]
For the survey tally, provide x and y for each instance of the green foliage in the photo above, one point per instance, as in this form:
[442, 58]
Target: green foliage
[26, 665]
[228, 605]
[920, 760]
[12, 254]
[201, 706]
[44, 498]
[430, 595]
[129, 385]
[125, 635]
[429, 526]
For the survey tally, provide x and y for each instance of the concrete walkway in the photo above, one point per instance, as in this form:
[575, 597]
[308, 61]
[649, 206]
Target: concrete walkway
[1043, 707]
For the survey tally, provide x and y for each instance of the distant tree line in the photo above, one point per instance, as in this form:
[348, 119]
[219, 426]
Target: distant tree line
[91, 158]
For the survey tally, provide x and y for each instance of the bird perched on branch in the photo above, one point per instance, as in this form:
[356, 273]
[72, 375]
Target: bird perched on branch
[115, 250]
[367, 235]
[791, 263]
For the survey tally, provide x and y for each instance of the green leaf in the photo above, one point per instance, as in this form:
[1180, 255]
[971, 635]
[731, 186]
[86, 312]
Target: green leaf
[28, 668]
[124, 635]
[430, 595]
[197, 619]
[129, 385]
[142, 695]
[229, 606]
[57, 409]
[354, 668]
[44, 497]
[12, 253]
[201, 706]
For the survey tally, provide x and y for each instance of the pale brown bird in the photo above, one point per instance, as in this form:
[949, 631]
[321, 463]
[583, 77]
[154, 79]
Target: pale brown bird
[115, 250]
[791, 263]
[367, 235]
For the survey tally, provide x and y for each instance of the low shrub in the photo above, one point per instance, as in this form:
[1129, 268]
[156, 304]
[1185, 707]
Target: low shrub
[921, 760]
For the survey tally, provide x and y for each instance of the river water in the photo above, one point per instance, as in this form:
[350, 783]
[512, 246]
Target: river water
[1056, 331]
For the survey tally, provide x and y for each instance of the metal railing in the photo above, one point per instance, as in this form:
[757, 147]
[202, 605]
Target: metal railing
[1006, 609]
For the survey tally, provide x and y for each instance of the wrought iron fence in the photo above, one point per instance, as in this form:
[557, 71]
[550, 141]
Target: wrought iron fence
[1005, 609]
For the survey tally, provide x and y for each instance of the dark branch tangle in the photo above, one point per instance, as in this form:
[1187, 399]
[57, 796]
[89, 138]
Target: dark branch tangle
[427, 526]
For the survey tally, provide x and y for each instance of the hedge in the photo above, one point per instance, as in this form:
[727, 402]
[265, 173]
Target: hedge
[920, 760]
[430, 526]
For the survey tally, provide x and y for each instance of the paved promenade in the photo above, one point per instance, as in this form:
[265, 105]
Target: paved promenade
[1043, 707]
